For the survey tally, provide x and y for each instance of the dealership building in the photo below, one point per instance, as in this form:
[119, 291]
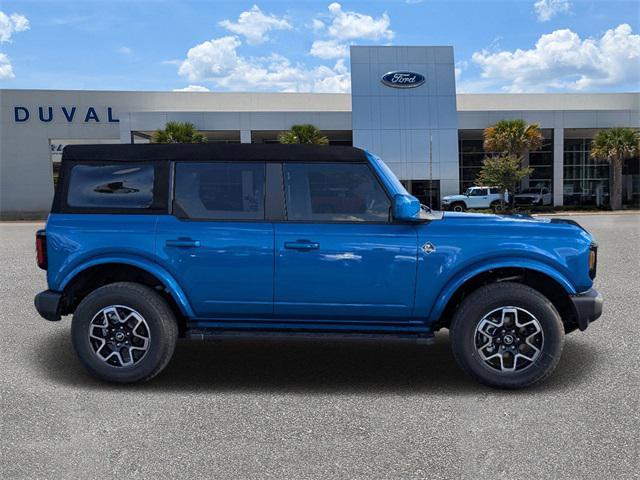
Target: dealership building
[403, 107]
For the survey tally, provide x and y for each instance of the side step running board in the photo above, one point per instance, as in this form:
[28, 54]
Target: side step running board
[213, 335]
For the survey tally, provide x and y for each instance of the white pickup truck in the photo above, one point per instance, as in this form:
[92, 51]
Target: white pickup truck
[534, 196]
[474, 197]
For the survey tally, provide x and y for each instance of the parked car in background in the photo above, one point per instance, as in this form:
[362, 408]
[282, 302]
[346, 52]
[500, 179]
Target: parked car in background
[474, 197]
[149, 243]
[534, 196]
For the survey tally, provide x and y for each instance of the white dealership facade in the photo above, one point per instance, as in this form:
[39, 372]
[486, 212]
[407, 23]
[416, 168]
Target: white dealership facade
[428, 134]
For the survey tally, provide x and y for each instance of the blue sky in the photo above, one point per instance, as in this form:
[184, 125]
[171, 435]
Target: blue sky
[500, 46]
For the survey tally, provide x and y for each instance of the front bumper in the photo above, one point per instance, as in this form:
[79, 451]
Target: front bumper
[525, 201]
[587, 307]
[48, 305]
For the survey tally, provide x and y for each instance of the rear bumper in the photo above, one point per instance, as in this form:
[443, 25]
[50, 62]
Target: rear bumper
[48, 305]
[587, 307]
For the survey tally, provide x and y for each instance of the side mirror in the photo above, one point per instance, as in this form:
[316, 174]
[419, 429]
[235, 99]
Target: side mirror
[406, 207]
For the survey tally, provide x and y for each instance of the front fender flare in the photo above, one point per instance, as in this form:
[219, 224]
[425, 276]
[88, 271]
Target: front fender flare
[461, 278]
[154, 269]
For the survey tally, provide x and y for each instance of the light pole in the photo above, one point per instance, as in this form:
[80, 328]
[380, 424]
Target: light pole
[430, 168]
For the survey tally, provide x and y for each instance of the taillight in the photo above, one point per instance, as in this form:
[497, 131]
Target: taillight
[41, 248]
[593, 260]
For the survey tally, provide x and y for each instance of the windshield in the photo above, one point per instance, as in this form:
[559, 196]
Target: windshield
[530, 190]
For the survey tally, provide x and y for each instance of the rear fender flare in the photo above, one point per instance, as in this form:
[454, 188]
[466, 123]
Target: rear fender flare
[154, 269]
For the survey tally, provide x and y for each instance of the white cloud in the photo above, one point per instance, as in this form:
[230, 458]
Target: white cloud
[317, 25]
[125, 51]
[218, 62]
[547, 9]
[353, 25]
[10, 24]
[254, 25]
[211, 58]
[329, 49]
[345, 26]
[6, 70]
[562, 60]
[192, 88]
[332, 80]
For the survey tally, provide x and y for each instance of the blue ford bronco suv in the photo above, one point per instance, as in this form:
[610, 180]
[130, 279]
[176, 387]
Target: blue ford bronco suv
[149, 243]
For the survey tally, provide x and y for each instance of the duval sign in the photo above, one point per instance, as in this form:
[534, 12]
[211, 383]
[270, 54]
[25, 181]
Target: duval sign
[46, 114]
[402, 79]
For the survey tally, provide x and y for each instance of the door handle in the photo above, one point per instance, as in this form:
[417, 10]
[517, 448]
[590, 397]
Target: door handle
[183, 243]
[302, 245]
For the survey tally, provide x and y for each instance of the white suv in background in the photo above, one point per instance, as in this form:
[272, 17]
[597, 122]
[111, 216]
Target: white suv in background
[474, 197]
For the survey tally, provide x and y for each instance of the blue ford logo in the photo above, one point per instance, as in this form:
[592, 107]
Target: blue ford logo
[402, 79]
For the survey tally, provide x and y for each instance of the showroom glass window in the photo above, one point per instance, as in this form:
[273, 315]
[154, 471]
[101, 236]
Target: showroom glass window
[220, 190]
[334, 192]
[542, 163]
[471, 156]
[472, 153]
[586, 180]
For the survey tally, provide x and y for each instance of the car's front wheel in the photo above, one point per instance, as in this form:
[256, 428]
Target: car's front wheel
[124, 332]
[458, 207]
[507, 335]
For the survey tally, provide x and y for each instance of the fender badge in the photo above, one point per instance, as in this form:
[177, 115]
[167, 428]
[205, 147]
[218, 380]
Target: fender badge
[428, 248]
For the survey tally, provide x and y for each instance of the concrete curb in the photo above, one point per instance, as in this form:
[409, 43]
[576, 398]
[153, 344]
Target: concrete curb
[578, 213]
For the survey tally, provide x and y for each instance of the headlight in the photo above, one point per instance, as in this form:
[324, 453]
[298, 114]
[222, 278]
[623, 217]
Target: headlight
[593, 260]
[445, 200]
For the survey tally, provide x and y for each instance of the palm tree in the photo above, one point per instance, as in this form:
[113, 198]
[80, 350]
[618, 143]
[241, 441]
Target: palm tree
[305, 133]
[615, 145]
[513, 137]
[178, 132]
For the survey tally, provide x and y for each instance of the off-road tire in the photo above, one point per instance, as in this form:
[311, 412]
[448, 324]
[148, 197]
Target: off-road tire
[458, 207]
[488, 298]
[162, 326]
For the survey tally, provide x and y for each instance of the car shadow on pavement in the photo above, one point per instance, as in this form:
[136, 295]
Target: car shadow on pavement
[307, 367]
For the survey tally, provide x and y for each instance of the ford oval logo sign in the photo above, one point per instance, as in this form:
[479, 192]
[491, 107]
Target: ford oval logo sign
[402, 79]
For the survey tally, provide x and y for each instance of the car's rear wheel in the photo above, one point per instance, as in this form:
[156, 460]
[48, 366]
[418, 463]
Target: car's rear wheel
[507, 335]
[124, 332]
[458, 207]
[496, 206]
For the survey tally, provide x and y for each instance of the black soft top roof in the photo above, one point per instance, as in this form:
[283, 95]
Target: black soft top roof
[211, 151]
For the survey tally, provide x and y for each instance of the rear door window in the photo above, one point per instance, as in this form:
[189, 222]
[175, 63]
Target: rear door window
[334, 192]
[120, 186]
[220, 190]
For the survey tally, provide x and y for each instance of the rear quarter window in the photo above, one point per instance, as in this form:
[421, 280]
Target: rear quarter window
[118, 187]
[111, 186]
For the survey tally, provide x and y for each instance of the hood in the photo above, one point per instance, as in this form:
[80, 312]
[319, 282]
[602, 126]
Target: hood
[491, 221]
[454, 197]
[492, 217]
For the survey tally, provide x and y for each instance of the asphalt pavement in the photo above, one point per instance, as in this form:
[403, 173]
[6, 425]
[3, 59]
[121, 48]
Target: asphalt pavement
[299, 409]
